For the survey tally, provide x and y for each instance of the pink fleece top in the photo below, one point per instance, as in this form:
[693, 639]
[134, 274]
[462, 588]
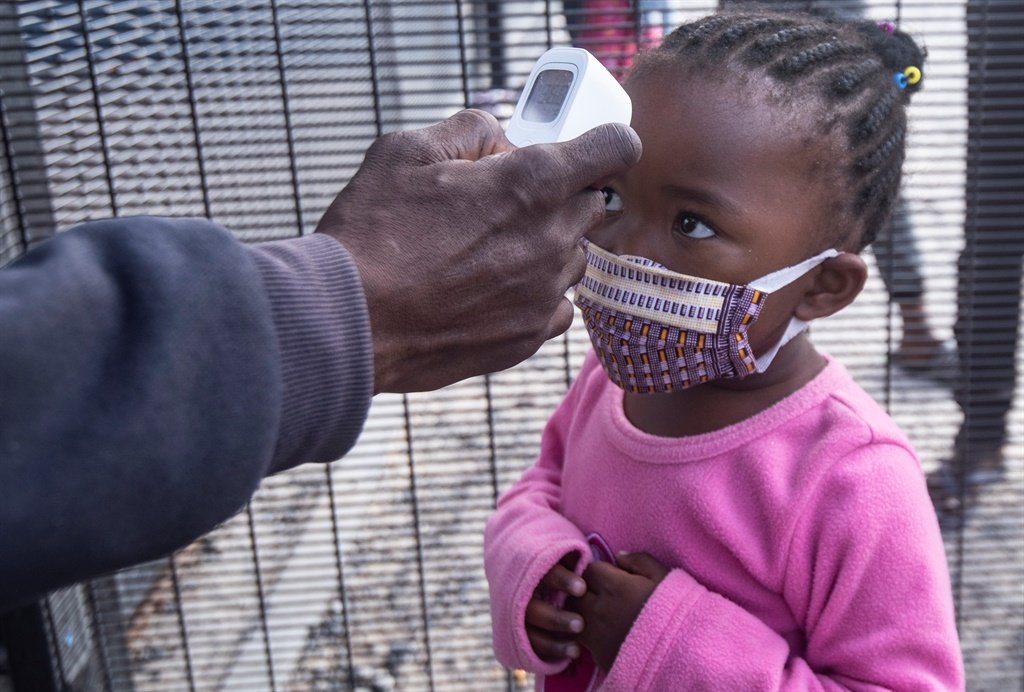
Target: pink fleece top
[804, 549]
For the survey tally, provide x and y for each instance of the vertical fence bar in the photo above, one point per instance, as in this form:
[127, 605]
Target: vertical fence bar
[286, 106]
[261, 595]
[23, 144]
[420, 568]
[182, 625]
[495, 45]
[463, 58]
[10, 173]
[374, 79]
[97, 634]
[98, 108]
[340, 564]
[193, 108]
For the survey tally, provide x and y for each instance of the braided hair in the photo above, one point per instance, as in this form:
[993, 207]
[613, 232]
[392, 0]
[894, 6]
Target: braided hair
[849, 67]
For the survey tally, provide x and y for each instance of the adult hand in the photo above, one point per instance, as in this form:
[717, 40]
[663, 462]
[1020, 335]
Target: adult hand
[613, 601]
[550, 629]
[467, 245]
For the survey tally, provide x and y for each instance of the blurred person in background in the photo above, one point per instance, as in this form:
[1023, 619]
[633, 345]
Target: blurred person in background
[989, 270]
[613, 30]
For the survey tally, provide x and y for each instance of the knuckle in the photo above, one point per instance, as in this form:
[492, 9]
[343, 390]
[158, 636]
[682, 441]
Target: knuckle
[482, 122]
[389, 141]
[416, 143]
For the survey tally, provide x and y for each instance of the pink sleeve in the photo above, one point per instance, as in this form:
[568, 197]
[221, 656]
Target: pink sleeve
[526, 537]
[872, 595]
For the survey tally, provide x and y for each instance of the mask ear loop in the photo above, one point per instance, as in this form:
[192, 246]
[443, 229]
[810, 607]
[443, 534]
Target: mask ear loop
[773, 282]
[787, 275]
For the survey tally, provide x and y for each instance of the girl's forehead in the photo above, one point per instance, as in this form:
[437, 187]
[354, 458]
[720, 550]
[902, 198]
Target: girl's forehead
[725, 119]
[722, 96]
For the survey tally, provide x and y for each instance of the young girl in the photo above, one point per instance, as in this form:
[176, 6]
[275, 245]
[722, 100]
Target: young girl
[779, 530]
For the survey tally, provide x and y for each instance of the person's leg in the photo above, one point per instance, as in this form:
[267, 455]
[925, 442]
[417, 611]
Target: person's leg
[919, 352]
[988, 313]
[989, 269]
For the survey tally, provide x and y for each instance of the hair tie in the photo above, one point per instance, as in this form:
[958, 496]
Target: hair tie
[887, 26]
[900, 80]
[913, 75]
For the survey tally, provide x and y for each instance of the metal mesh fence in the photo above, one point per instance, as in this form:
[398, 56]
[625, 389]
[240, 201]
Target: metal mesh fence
[367, 573]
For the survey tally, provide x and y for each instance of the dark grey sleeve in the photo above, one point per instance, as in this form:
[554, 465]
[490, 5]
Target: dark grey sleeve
[152, 372]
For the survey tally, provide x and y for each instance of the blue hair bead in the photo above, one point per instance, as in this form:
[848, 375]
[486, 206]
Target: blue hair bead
[900, 79]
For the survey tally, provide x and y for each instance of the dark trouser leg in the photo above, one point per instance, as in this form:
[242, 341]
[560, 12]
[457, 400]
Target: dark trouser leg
[897, 258]
[989, 293]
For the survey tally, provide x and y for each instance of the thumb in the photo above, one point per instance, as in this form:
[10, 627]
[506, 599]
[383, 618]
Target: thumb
[643, 564]
[469, 135]
[557, 171]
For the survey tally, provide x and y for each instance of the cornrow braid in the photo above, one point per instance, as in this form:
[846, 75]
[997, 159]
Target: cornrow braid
[844, 66]
[814, 57]
[876, 198]
[754, 25]
[849, 79]
[876, 115]
[766, 48]
[694, 34]
[874, 159]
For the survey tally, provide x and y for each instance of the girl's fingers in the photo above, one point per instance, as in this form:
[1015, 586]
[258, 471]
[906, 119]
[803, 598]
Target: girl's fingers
[562, 579]
[544, 616]
[642, 564]
[549, 647]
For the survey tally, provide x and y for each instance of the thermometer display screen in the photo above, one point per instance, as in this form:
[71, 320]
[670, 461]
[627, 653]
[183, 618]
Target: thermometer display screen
[547, 96]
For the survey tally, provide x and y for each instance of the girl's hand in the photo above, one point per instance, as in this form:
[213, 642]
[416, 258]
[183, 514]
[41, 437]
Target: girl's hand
[615, 596]
[551, 630]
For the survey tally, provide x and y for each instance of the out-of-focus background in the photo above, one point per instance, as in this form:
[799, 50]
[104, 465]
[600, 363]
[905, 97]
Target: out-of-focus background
[367, 574]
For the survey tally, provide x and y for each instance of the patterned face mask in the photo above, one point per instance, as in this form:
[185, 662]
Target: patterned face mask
[655, 330]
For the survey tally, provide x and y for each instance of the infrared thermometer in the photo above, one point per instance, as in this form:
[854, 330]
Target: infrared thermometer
[567, 93]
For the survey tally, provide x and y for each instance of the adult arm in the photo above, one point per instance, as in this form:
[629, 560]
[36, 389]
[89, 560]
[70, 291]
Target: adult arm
[152, 372]
[872, 598]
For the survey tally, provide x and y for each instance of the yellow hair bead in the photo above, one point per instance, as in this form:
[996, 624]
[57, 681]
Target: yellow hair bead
[913, 75]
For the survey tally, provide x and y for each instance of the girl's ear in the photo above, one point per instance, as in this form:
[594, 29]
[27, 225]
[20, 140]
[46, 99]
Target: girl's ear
[838, 281]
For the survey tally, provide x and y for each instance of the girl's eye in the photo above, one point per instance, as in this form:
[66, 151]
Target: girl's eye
[692, 227]
[612, 201]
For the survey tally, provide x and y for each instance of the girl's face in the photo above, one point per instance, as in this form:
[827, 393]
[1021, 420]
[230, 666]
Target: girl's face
[728, 188]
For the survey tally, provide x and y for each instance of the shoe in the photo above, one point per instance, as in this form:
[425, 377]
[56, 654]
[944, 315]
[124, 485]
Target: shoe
[939, 365]
[956, 485]
[986, 467]
[953, 501]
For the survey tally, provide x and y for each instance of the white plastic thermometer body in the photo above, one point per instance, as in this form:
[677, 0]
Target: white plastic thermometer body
[568, 92]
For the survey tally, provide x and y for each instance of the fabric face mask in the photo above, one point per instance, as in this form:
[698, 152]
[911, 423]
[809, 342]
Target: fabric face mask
[656, 331]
